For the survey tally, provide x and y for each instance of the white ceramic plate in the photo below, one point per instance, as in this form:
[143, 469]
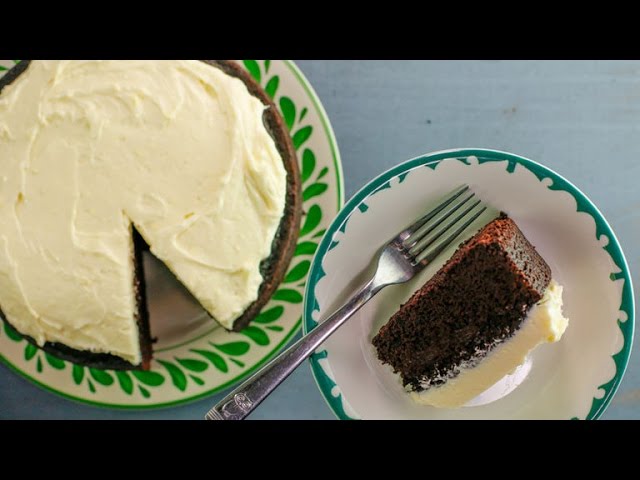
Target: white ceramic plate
[194, 357]
[574, 378]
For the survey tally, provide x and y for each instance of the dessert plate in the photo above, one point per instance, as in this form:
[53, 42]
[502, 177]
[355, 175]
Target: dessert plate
[574, 378]
[194, 357]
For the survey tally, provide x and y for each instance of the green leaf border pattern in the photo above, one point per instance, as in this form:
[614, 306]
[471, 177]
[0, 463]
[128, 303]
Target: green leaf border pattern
[185, 371]
[625, 322]
[4, 69]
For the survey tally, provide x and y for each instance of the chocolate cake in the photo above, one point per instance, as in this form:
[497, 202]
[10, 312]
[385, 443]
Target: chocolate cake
[275, 266]
[475, 302]
[272, 268]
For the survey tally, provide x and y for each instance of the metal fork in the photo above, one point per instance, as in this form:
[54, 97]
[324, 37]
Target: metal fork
[399, 260]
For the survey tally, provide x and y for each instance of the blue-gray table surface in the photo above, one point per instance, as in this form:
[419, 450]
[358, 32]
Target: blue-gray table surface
[581, 118]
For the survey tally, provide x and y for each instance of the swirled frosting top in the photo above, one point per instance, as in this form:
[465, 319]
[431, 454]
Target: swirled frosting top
[88, 148]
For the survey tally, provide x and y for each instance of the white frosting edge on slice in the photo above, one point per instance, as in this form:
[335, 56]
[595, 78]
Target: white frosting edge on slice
[544, 323]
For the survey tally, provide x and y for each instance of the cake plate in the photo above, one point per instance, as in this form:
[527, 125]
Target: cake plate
[194, 357]
[574, 378]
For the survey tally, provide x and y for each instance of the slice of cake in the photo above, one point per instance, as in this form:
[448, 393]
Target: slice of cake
[101, 159]
[475, 320]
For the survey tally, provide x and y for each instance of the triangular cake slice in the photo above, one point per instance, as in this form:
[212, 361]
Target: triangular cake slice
[192, 155]
[475, 320]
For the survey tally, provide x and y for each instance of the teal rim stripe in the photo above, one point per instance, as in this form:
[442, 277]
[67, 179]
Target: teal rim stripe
[322, 115]
[621, 358]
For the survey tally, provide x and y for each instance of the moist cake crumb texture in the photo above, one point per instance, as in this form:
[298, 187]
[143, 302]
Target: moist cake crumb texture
[475, 302]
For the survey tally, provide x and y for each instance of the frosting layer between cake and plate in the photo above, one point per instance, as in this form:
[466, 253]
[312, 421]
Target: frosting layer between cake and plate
[545, 323]
[475, 320]
[178, 148]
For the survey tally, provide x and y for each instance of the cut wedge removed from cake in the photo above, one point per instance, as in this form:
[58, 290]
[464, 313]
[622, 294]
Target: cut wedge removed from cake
[475, 320]
[191, 155]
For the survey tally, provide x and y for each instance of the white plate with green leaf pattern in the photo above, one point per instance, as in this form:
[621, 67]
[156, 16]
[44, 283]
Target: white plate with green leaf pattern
[195, 358]
[573, 378]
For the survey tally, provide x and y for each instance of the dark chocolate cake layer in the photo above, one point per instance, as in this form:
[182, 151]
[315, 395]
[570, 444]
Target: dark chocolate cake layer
[477, 299]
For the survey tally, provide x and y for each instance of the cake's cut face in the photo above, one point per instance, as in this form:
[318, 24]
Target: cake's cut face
[544, 323]
[88, 149]
[476, 303]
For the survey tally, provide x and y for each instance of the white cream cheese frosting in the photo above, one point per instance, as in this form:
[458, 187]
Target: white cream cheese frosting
[87, 148]
[544, 323]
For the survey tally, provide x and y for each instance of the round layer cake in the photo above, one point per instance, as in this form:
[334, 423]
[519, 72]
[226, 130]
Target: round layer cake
[101, 159]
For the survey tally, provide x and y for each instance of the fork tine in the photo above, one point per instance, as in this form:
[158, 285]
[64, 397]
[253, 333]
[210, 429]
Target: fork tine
[432, 237]
[411, 229]
[413, 239]
[435, 247]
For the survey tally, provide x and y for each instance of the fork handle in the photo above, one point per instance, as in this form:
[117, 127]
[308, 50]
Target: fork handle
[244, 399]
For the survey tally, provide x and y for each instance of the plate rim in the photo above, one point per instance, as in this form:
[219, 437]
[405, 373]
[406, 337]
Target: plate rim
[613, 248]
[336, 161]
